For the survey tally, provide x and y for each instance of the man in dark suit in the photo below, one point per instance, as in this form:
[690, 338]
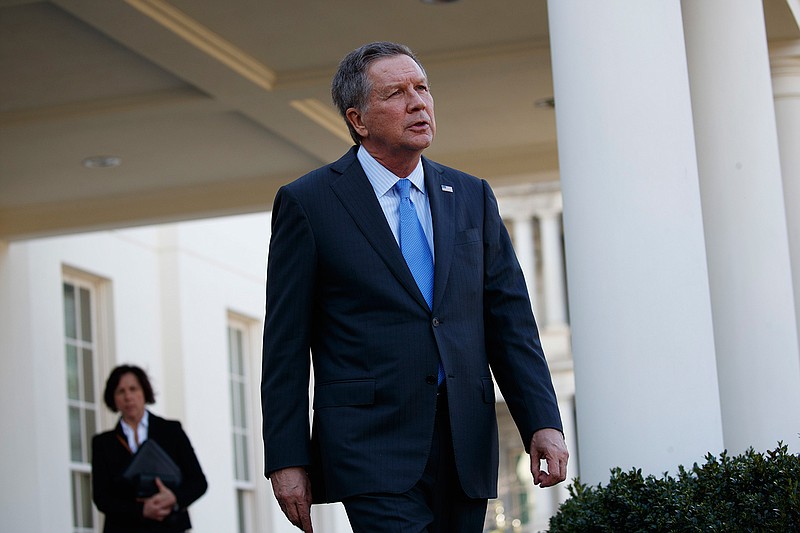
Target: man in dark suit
[397, 275]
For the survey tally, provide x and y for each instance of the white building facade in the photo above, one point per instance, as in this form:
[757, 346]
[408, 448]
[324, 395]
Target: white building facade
[185, 302]
[665, 263]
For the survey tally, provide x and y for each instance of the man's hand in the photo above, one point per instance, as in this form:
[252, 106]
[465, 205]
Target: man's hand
[292, 489]
[548, 444]
[159, 505]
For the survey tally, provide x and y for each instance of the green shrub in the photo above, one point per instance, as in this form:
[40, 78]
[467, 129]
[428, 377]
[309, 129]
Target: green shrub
[748, 492]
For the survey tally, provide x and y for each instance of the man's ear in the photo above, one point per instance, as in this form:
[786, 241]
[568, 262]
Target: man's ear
[354, 118]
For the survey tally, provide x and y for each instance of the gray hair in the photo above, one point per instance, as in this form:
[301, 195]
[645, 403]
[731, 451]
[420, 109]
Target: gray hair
[351, 86]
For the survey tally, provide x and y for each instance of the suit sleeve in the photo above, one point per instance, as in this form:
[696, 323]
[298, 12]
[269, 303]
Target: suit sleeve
[512, 337]
[106, 493]
[194, 482]
[287, 333]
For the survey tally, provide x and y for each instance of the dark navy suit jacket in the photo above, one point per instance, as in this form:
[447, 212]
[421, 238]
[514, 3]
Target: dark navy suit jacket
[337, 284]
[117, 499]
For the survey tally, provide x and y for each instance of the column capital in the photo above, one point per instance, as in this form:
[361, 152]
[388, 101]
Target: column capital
[785, 50]
[784, 62]
[527, 201]
[550, 213]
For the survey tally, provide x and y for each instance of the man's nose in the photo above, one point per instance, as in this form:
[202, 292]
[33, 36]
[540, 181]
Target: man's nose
[415, 101]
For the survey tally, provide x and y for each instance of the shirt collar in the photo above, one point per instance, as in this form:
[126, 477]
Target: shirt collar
[382, 179]
[144, 423]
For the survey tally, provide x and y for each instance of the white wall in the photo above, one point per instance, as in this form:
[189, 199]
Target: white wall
[171, 290]
[35, 475]
[33, 360]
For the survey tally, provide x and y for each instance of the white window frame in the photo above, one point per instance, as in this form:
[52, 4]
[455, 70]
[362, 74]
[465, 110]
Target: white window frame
[245, 489]
[99, 292]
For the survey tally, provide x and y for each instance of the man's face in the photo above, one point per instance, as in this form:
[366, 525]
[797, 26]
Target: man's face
[399, 113]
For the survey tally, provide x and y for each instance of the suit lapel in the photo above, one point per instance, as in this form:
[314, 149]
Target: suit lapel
[121, 438]
[153, 426]
[355, 193]
[441, 196]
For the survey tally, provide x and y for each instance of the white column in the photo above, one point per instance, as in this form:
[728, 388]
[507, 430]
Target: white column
[785, 60]
[755, 326]
[567, 408]
[522, 228]
[553, 269]
[646, 384]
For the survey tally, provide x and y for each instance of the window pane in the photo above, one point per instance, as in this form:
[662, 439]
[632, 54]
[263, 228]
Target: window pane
[86, 497]
[240, 507]
[69, 311]
[75, 434]
[242, 463]
[238, 354]
[237, 452]
[245, 459]
[88, 375]
[243, 507]
[86, 316]
[232, 392]
[239, 409]
[231, 350]
[243, 405]
[76, 507]
[72, 373]
[81, 501]
[241, 457]
[90, 428]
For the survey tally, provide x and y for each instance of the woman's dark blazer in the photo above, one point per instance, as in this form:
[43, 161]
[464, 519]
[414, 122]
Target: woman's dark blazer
[117, 500]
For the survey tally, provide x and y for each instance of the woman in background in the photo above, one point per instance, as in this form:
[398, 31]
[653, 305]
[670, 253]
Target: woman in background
[127, 391]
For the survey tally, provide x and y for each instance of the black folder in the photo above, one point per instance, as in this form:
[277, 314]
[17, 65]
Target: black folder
[150, 462]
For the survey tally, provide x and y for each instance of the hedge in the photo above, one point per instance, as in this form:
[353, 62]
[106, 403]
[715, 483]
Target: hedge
[749, 492]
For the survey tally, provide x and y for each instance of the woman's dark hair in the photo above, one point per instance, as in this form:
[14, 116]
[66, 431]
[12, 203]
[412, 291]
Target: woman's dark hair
[114, 379]
[351, 87]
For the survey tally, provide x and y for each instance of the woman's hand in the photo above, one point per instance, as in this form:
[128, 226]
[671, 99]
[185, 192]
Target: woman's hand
[159, 505]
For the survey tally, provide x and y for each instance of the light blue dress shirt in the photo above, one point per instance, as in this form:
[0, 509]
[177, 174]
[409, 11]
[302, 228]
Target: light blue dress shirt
[136, 436]
[383, 180]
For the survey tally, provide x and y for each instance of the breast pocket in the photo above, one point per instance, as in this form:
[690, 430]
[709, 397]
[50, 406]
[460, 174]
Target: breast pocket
[468, 236]
[344, 393]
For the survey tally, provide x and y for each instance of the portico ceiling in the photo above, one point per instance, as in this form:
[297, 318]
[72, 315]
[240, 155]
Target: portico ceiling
[211, 105]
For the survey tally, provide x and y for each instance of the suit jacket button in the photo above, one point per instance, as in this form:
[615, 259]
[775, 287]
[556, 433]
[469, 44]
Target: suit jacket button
[431, 380]
[436, 322]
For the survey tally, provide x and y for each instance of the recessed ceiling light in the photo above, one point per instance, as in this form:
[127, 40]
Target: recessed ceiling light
[102, 161]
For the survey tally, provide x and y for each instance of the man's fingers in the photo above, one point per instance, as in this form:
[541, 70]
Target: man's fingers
[556, 473]
[304, 514]
[548, 444]
[554, 468]
[292, 489]
[299, 515]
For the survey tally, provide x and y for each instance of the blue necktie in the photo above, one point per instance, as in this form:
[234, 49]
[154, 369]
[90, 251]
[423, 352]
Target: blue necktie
[415, 249]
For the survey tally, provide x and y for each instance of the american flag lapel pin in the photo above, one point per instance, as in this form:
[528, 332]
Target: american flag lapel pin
[447, 188]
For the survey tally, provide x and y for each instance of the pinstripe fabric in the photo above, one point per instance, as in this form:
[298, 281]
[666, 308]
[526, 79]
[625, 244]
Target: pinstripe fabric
[339, 291]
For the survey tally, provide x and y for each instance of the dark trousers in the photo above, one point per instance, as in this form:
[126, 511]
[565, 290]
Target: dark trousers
[436, 504]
